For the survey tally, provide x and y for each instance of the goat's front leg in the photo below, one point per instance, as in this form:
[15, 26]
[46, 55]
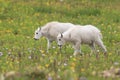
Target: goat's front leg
[76, 47]
[48, 45]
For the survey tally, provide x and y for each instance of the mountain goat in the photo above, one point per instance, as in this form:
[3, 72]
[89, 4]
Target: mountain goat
[51, 30]
[78, 35]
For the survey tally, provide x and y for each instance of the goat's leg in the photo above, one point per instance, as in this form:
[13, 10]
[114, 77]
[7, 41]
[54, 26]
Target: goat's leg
[93, 49]
[76, 48]
[101, 45]
[48, 45]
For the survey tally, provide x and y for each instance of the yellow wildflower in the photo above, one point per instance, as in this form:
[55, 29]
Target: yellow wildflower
[82, 70]
[0, 21]
[109, 54]
[46, 65]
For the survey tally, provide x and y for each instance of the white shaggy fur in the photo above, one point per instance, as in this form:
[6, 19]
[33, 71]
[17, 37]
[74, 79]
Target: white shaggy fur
[78, 35]
[51, 30]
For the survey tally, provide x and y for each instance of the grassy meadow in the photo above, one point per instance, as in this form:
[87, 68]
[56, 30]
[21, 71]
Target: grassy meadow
[27, 59]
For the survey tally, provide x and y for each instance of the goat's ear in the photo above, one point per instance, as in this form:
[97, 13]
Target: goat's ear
[61, 35]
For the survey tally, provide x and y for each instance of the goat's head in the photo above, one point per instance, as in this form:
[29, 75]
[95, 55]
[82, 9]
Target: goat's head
[60, 40]
[38, 34]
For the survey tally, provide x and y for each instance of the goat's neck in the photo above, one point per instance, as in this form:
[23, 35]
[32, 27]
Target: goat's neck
[44, 31]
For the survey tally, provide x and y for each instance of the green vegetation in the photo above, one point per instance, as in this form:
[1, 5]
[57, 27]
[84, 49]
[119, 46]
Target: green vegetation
[21, 53]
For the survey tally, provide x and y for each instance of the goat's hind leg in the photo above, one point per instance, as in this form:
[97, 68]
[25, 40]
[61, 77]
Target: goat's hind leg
[101, 45]
[93, 49]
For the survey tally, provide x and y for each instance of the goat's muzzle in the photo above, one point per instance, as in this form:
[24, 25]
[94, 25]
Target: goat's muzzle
[60, 46]
[35, 39]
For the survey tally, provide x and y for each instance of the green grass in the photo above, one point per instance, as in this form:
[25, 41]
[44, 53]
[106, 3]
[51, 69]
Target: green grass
[21, 53]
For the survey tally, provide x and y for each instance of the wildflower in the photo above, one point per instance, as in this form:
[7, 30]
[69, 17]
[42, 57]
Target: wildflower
[58, 77]
[2, 77]
[39, 67]
[74, 59]
[36, 14]
[71, 56]
[109, 54]
[9, 53]
[43, 55]
[48, 3]
[8, 31]
[102, 24]
[73, 69]
[29, 50]
[51, 61]
[98, 51]
[11, 74]
[82, 70]
[29, 57]
[0, 21]
[73, 64]
[49, 78]
[94, 73]
[59, 70]
[28, 37]
[83, 78]
[61, 0]
[53, 47]
[65, 64]
[42, 51]
[47, 65]
[116, 63]
[1, 53]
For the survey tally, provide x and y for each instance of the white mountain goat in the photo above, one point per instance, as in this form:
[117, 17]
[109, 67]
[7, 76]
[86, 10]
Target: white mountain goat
[51, 30]
[78, 35]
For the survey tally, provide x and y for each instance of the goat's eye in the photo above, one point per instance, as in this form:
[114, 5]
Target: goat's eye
[36, 33]
[59, 39]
